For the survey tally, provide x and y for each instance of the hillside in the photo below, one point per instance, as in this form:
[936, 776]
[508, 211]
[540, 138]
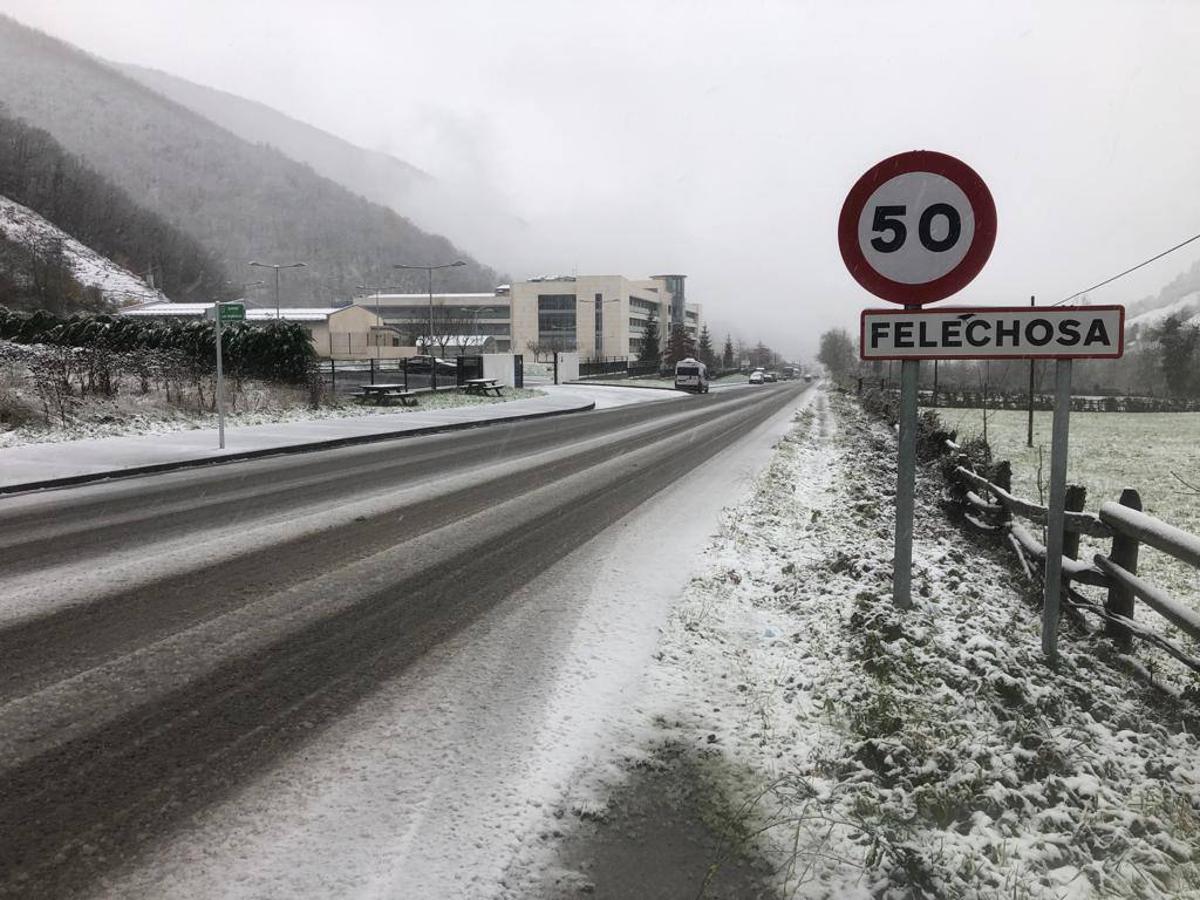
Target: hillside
[55, 201]
[30, 241]
[1182, 286]
[474, 216]
[239, 200]
[376, 176]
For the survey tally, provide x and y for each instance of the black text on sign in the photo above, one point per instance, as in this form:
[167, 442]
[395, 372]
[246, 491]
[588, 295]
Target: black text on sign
[1019, 332]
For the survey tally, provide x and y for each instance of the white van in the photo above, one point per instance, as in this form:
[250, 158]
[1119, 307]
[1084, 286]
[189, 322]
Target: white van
[691, 375]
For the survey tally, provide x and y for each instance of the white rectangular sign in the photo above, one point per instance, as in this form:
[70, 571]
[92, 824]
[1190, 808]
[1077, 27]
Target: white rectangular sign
[996, 332]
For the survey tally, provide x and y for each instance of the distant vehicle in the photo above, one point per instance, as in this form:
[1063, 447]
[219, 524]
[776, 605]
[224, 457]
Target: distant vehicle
[691, 375]
[757, 377]
[790, 372]
[770, 376]
[424, 364]
[810, 378]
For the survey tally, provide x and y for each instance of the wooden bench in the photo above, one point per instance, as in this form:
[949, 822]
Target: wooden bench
[480, 386]
[382, 393]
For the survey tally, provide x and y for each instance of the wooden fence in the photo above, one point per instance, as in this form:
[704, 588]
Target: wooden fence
[990, 505]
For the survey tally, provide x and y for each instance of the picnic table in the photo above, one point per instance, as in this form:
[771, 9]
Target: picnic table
[381, 393]
[481, 386]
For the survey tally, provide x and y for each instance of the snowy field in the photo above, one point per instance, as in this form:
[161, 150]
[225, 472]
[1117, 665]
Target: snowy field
[870, 753]
[1107, 453]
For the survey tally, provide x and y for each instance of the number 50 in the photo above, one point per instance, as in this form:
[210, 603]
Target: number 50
[891, 219]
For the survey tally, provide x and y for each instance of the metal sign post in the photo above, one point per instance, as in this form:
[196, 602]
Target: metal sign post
[220, 384]
[224, 312]
[1056, 511]
[906, 477]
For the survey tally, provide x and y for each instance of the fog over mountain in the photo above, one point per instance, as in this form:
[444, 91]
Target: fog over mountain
[431, 203]
[241, 201]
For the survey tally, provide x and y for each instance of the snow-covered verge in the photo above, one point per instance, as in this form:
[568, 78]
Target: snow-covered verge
[258, 403]
[868, 752]
[20, 224]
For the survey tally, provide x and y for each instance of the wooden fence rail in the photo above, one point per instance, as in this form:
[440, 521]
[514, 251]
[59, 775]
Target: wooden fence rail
[992, 506]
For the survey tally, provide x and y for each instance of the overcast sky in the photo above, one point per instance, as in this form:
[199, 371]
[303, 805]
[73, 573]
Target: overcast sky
[719, 139]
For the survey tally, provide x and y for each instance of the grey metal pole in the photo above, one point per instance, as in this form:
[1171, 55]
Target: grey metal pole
[1056, 512]
[220, 383]
[429, 272]
[277, 292]
[1032, 363]
[905, 485]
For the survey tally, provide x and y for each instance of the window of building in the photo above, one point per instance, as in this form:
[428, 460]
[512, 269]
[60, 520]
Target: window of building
[556, 320]
[599, 324]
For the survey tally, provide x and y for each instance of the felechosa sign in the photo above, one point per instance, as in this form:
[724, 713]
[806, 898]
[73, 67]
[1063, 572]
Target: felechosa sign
[997, 332]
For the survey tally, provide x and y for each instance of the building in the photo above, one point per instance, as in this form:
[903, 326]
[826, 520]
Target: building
[597, 315]
[342, 332]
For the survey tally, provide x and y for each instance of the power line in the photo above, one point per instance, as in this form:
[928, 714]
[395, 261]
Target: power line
[1127, 271]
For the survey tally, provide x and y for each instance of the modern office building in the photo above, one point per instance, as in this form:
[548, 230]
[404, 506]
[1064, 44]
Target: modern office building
[597, 315]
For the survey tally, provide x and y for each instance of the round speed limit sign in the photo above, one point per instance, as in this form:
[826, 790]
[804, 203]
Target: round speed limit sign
[917, 227]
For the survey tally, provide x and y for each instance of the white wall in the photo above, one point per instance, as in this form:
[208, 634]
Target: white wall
[568, 367]
[499, 366]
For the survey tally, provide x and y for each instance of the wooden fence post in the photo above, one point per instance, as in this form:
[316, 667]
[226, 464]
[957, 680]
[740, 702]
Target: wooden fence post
[1124, 554]
[1076, 498]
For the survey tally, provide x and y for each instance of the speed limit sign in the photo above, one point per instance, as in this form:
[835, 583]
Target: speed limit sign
[917, 227]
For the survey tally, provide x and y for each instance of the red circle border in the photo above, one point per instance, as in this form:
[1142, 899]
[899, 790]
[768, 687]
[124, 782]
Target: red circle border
[968, 267]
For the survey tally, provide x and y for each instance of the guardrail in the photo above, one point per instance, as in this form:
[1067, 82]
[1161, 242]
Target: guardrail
[989, 504]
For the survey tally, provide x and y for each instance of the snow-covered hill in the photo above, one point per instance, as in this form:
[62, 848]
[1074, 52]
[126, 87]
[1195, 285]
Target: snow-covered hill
[22, 225]
[1187, 308]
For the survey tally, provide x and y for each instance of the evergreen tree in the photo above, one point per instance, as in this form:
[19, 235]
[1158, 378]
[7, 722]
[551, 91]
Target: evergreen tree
[651, 350]
[1180, 345]
[727, 354]
[704, 348]
[679, 346]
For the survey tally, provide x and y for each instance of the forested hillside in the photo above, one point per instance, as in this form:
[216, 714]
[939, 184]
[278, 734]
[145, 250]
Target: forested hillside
[240, 201]
[376, 176]
[475, 215]
[36, 172]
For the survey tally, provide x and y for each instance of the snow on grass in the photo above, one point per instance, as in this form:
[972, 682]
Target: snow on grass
[1108, 452]
[921, 753]
[131, 413]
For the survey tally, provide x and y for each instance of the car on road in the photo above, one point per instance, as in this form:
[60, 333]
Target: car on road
[691, 375]
[770, 377]
[757, 378]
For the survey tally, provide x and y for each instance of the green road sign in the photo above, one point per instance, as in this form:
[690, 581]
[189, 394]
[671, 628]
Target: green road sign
[232, 312]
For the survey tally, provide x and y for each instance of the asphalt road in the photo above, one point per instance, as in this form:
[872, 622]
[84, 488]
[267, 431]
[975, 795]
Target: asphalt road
[165, 638]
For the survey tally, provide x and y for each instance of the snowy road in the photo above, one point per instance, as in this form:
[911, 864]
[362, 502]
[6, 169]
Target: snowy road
[185, 652]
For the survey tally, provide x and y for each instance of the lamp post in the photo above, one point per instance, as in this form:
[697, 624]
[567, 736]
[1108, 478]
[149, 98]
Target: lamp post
[429, 271]
[487, 312]
[277, 267]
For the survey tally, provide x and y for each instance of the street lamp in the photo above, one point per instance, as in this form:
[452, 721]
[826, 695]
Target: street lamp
[486, 311]
[277, 267]
[429, 272]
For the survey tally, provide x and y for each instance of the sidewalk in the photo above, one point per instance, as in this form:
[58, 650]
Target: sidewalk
[74, 462]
